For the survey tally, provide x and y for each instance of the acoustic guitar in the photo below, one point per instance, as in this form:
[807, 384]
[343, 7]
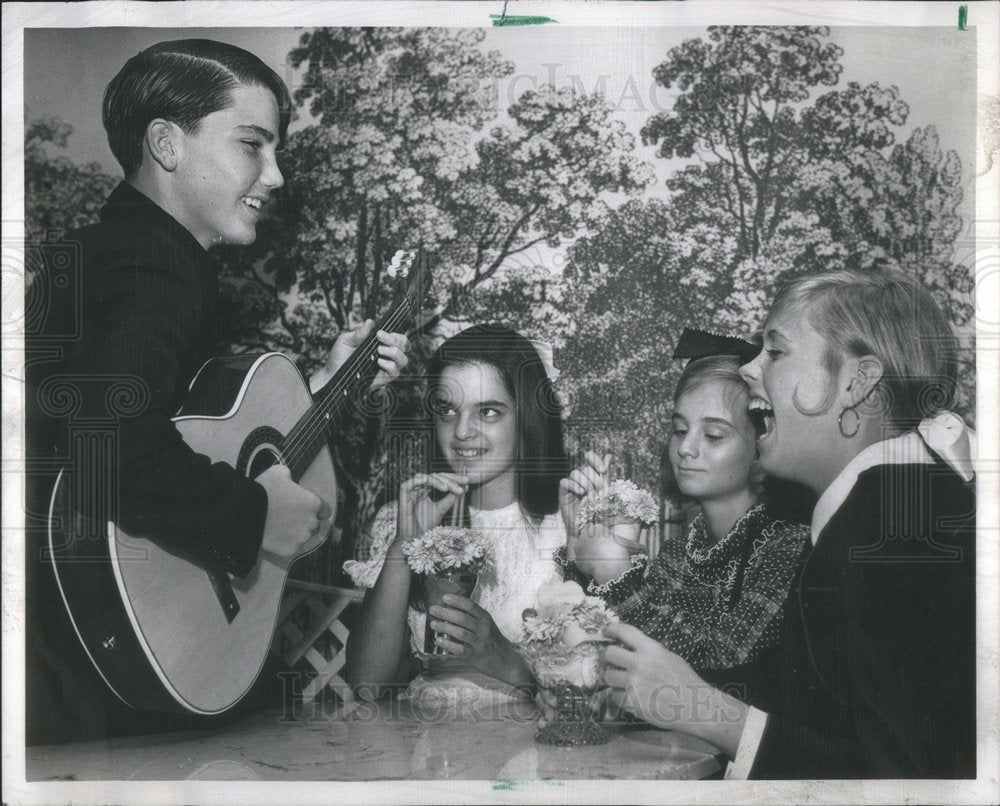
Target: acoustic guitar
[164, 631]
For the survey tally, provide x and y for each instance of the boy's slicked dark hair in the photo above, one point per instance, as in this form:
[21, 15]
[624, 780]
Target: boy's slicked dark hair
[181, 81]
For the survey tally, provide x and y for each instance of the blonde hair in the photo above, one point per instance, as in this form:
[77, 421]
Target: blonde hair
[723, 369]
[886, 314]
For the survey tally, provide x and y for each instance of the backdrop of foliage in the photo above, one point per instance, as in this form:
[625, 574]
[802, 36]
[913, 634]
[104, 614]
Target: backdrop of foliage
[786, 176]
[405, 145]
[59, 194]
[400, 142]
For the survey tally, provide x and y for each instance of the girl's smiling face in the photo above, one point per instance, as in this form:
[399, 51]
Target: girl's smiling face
[795, 398]
[476, 426]
[711, 445]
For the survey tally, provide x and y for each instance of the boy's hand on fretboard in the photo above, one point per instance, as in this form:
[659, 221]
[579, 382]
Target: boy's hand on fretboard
[392, 357]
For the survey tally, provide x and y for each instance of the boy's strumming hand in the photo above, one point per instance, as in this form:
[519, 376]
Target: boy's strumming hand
[391, 355]
[296, 517]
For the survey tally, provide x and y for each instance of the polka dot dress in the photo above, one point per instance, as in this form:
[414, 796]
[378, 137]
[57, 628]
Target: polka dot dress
[716, 605]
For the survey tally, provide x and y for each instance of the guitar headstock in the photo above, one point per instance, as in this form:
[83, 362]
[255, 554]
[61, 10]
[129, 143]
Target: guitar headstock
[408, 269]
[401, 263]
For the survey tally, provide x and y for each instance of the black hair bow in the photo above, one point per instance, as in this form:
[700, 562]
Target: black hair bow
[695, 343]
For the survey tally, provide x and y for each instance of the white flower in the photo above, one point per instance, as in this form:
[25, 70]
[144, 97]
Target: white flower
[445, 547]
[620, 499]
[400, 263]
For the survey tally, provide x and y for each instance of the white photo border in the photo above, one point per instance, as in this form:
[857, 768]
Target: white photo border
[983, 21]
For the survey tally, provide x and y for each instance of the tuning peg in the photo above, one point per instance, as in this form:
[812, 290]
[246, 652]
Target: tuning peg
[395, 264]
[407, 262]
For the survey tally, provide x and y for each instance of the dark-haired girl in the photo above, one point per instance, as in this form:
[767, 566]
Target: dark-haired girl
[499, 437]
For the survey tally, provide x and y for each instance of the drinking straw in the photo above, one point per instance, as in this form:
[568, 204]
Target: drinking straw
[459, 503]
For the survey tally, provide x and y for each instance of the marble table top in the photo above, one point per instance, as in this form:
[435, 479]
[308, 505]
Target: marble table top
[388, 740]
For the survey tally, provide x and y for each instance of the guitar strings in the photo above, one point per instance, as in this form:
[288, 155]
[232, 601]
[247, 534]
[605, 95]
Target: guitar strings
[319, 416]
[299, 445]
[302, 440]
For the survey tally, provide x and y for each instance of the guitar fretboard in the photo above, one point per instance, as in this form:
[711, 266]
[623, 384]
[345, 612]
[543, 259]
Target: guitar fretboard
[311, 432]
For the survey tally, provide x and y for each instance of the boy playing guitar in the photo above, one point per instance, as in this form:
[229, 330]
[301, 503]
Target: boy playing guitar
[195, 125]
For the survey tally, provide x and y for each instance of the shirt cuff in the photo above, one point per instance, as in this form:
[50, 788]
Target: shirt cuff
[753, 733]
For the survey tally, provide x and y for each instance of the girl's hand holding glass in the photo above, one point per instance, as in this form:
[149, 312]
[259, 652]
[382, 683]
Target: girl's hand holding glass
[661, 688]
[647, 679]
[466, 630]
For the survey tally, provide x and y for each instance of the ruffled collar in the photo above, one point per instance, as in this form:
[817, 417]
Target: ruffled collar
[702, 552]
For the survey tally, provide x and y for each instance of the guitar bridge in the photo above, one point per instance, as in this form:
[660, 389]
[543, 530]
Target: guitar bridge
[224, 593]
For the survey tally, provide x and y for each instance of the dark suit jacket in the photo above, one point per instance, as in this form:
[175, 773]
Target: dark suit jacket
[123, 318]
[138, 326]
[875, 675]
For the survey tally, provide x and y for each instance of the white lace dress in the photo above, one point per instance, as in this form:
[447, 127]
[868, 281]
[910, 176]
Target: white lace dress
[519, 560]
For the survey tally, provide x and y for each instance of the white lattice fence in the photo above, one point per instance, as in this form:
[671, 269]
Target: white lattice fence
[312, 639]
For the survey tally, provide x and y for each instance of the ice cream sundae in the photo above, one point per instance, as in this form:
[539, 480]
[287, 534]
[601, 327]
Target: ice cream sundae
[561, 644]
[619, 512]
[448, 559]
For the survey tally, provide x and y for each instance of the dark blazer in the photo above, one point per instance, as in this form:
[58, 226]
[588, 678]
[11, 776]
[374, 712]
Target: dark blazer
[125, 315]
[135, 332]
[876, 672]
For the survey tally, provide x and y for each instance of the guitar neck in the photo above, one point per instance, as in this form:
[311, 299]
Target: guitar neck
[313, 429]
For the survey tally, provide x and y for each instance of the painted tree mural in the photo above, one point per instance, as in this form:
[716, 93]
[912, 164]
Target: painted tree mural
[406, 147]
[541, 216]
[59, 195]
[786, 176]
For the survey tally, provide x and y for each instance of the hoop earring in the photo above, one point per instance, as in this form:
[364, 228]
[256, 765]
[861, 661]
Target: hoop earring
[857, 424]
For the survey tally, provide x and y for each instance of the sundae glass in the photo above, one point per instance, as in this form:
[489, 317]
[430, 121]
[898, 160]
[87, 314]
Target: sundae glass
[561, 645]
[619, 511]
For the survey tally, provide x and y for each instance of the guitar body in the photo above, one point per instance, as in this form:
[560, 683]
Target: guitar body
[152, 620]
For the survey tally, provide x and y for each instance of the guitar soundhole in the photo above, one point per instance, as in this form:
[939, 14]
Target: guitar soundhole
[261, 461]
[259, 451]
